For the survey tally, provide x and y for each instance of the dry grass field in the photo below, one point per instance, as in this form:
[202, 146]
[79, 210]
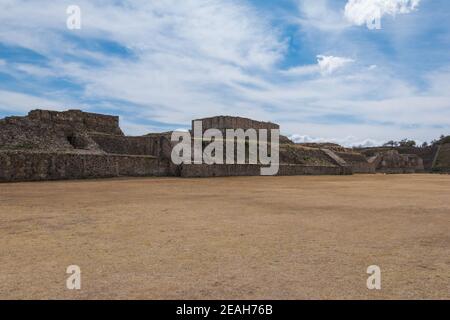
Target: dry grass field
[231, 238]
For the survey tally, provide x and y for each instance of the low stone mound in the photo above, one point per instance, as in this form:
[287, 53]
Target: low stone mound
[330, 146]
[297, 154]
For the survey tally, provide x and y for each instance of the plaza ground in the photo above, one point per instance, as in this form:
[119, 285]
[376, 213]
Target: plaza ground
[305, 237]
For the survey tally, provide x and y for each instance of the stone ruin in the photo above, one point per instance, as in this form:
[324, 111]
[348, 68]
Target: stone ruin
[393, 162]
[406, 159]
[50, 145]
[223, 123]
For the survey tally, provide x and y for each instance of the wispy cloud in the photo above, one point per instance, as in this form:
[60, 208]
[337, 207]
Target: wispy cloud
[21, 102]
[329, 64]
[349, 141]
[322, 15]
[159, 64]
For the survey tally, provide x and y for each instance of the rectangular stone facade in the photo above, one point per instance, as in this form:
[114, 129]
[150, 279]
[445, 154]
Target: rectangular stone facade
[143, 145]
[226, 122]
[35, 166]
[357, 162]
[203, 170]
[50, 145]
[91, 121]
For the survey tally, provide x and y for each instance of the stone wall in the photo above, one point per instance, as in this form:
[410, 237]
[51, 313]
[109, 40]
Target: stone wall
[296, 154]
[226, 122]
[90, 121]
[427, 154]
[357, 162]
[35, 166]
[56, 131]
[21, 133]
[393, 162]
[203, 170]
[325, 145]
[50, 145]
[142, 145]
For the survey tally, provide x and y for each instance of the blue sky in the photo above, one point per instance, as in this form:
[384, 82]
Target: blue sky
[311, 65]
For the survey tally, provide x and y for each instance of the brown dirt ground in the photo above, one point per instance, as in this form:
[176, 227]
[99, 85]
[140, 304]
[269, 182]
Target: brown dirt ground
[227, 238]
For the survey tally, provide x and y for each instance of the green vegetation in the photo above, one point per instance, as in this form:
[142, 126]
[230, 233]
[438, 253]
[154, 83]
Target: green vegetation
[402, 143]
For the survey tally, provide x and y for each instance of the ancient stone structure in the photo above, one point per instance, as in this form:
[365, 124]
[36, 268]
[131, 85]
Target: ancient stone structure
[393, 162]
[357, 162]
[435, 158]
[348, 157]
[226, 122]
[204, 170]
[50, 145]
[42, 165]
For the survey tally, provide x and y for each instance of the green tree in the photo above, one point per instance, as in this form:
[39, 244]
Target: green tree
[391, 144]
[407, 143]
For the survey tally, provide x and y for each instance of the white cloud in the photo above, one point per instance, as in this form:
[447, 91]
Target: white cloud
[201, 58]
[326, 65]
[34, 70]
[302, 70]
[20, 102]
[134, 129]
[349, 141]
[320, 15]
[367, 143]
[188, 53]
[359, 12]
[329, 64]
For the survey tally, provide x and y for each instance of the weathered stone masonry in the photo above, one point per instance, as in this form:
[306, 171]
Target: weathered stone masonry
[50, 145]
[35, 166]
[226, 122]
